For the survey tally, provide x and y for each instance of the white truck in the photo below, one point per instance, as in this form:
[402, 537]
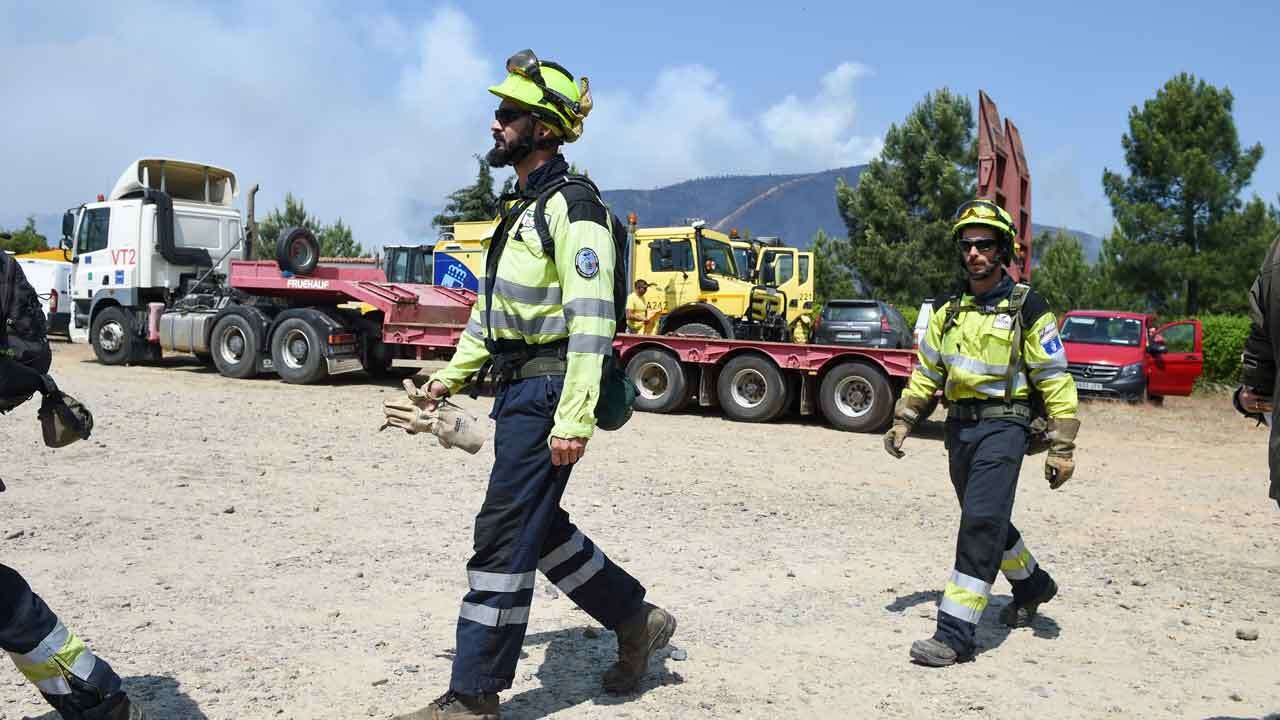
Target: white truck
[165, 224]
[51, 280]
[164, 264]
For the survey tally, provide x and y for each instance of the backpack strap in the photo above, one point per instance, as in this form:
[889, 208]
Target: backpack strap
[1017, 298]
[540, 209]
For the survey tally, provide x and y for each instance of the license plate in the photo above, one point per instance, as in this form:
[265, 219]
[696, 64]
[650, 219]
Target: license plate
[1088, 386]
[849, 336]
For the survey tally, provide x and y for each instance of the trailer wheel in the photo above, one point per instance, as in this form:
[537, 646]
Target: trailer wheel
[297, 352]
[297, 251]
[660, 381]
[752, 389]
[235, 345]
[856, 397]
[113, 336]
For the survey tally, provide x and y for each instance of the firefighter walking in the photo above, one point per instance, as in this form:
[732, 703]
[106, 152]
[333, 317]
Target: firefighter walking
[545, 320]
[78, 684]
[989, 348]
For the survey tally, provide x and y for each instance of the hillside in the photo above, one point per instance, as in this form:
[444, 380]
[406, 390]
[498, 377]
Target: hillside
[793, 207]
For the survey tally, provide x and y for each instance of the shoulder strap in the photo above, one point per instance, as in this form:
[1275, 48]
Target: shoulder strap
[8, 286]
[1017, 297]
[539, 210]
[496, 246]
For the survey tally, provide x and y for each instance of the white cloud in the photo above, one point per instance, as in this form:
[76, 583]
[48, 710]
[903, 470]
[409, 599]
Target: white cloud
[366, 117]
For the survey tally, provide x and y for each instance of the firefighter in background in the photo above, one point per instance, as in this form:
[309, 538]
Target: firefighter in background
[987, 347]
[1258, 378]
[546, 322]
[78, 684]
[638, 318]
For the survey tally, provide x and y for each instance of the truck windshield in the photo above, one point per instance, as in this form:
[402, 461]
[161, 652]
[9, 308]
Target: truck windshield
[740, 259]
[1102, 331]
[717, 257]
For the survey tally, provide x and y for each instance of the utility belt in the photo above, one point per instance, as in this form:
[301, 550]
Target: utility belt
[512, 360]
[988, 410]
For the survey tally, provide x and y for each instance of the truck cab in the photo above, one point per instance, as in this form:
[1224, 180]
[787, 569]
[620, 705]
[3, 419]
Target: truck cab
[165, 224]
[699, 290]
[1131, 356]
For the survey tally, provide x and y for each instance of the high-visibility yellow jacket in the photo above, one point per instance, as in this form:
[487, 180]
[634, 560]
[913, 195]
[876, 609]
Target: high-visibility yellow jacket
[541, 299]
[970, 360]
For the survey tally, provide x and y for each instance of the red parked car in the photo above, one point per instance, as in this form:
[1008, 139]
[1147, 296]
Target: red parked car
[1128, 356]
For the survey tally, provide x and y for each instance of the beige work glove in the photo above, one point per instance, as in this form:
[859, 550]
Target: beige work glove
[1060, 465]
[905, 415]
[420, 412]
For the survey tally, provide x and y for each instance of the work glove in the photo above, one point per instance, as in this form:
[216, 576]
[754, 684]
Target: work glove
[63, 420]
[419, 412]
[1061, 464]
[905, 415]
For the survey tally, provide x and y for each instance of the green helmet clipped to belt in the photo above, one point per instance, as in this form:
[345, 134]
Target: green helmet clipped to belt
[548, 91]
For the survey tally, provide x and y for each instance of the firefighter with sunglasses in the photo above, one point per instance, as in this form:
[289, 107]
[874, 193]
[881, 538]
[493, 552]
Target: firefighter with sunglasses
[543, 323]
[994, 350]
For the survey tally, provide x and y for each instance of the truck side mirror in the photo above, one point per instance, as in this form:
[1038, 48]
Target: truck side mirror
[68, 227]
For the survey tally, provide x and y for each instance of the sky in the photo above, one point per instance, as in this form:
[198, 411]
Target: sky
[372, 112]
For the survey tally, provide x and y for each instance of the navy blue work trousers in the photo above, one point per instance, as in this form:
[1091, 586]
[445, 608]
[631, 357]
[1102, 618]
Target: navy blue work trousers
[31, 633]
[985, 457]
[521, 530]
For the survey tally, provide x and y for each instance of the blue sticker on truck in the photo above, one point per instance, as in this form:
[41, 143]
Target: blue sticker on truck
[119, 277]
[450, 272]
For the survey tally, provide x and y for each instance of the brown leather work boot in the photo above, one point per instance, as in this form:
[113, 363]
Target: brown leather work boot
[456, 706]
[647, 631]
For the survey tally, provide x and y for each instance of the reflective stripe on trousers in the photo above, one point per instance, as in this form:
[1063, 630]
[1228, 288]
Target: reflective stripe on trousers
[520, 530]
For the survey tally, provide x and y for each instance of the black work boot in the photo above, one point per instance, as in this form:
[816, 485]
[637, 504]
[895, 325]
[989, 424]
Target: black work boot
[1017, 614]
[639, 637]
[935, 653]
[456, 706]
[115, 707]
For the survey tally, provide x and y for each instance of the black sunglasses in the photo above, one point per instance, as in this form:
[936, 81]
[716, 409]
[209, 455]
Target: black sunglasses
[506, 116]
[984, 245]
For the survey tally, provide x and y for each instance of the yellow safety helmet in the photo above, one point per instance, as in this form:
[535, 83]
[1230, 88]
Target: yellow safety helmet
[984, 212]
[548, 91]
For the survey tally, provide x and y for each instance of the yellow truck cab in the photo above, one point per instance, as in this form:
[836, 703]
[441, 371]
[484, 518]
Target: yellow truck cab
[697, 288]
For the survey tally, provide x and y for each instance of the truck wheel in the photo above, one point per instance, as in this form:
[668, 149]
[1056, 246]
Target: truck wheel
[235, 346]
[697, 330]
[660, 380]
[298, 352]
[856, 397]
[297, 251]
[113, 336]
[752, 389]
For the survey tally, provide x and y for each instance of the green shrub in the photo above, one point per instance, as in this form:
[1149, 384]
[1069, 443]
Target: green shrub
[909, 314]
[1224, 337]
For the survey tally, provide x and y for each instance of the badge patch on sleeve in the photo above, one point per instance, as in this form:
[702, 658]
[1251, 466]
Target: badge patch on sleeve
[1049, 340]
[587, 262]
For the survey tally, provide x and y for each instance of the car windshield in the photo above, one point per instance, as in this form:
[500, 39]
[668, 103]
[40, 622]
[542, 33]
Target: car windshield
[1102, 331]
[853, 313]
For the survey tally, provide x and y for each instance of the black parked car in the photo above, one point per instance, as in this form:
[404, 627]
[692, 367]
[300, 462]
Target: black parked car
[867, 323]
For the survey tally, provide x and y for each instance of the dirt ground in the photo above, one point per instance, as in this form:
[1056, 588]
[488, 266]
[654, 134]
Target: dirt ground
[250, 549]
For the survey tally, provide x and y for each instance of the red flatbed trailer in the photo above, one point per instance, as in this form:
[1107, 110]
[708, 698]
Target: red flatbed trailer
[854, 388]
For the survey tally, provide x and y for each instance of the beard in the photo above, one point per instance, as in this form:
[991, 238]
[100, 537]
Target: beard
[504, 155]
